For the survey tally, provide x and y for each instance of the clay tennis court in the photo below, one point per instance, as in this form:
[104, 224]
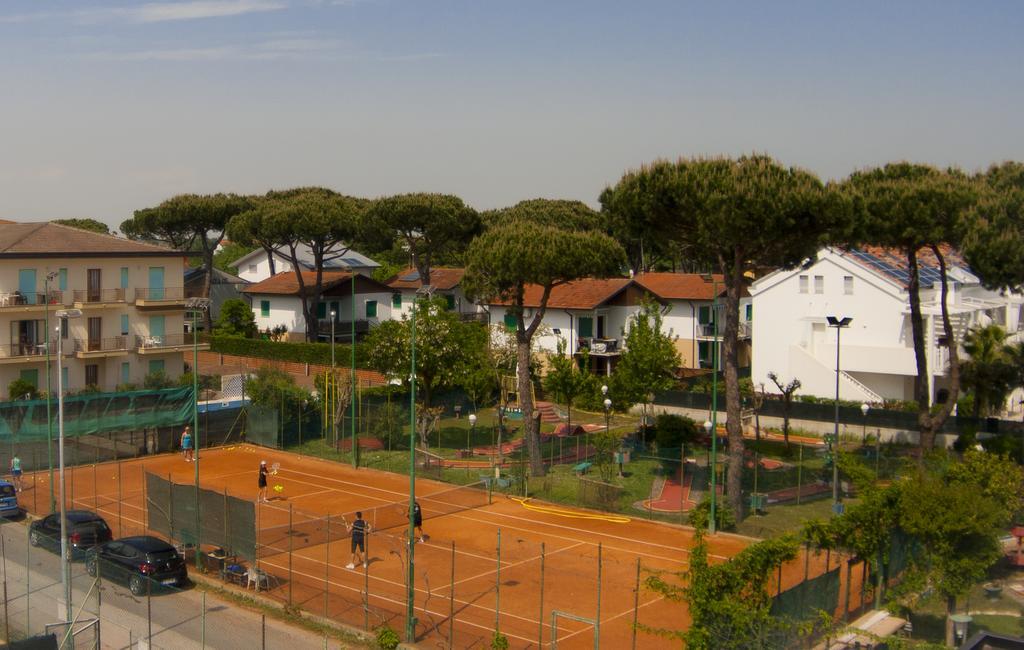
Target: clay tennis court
[551, 558]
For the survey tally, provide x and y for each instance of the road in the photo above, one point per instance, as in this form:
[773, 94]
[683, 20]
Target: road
[177, 620]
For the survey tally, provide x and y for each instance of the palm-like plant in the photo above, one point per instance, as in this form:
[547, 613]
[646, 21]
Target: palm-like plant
[990, 372]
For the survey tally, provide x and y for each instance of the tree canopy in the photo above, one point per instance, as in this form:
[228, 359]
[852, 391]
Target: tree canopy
[85, 224]
[649, 360]
[538, 242]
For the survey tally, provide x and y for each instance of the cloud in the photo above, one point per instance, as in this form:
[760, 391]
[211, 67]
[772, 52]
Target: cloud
[153, 12]
[277, 49]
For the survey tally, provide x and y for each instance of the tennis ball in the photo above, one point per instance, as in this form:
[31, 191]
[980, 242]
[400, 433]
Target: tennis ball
[278, 488]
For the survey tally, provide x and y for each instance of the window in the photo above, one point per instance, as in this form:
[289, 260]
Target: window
[704, 314]
[63, 328]
[126, 372]
[92, 374]
[750, 312]
[124, 324]
[252, 268]
[819, 284]
[265, 308]
[586, 326]
[62, 279]
[848, 285]
[31, 376]
[371, 309]
[156, 365]
[450, 301]
[510, 321]
[396, 301]
[803, 284]
[705, 354]
[64, 378]
[124, 277]
[321, 310]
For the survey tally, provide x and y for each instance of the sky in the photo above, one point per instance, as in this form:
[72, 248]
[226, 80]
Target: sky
[108, 106]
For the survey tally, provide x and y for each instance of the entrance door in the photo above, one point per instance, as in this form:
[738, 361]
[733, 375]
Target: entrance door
[27, 286]
[156, 329]
[93, 285]
[95, 334]
[156, 283]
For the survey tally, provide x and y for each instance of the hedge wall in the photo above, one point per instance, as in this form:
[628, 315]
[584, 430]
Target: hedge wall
[301, 352]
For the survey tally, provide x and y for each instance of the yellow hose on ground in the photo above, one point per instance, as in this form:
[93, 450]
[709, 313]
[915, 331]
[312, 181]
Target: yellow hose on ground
[561, 512]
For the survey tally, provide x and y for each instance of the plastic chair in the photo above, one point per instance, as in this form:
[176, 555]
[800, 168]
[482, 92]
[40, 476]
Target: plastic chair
[256, 577]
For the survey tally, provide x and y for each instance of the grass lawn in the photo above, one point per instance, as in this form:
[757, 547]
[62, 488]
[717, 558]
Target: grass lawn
[782, 519]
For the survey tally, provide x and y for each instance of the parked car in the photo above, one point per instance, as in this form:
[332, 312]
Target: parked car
[137, 560]
[8, 500]
[85, 530]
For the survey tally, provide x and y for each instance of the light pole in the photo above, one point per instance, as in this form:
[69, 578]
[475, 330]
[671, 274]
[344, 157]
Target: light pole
[864, 408]
[196, 306]
[410, 597]
[334, 378]
[712, 524]
[709, 428]
[839, 324]
[352, 377]
[49, 389]
[65, 570]
[471, 430]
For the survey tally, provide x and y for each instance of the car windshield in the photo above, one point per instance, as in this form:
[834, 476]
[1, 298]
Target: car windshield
[162, 556]
[7, 491]
[94, 527]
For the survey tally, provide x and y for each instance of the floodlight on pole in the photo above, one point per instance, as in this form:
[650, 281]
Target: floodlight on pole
[334, 415]
[65, 570]
[864, 408]
[196, 305]
[472, 429]
[50, 277]
[839, 324]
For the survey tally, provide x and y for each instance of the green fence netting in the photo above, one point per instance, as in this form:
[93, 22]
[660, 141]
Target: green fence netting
[803, 601]
[225, 521]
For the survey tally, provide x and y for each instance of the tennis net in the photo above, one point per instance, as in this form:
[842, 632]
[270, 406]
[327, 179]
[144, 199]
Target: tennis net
[308, 529]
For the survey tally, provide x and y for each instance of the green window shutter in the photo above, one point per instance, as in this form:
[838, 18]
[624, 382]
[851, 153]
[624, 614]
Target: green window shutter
[510, 321]
[156, 365]
[704, 314]
[450, 299]
[396, 301]
[371, 309]
[265, 308]
[31, 376]
[750, 312]
[124, 324]
[126, 372]
[64, 376]
[321, 310]
[586, 326]
[62, 279]
[124, 277]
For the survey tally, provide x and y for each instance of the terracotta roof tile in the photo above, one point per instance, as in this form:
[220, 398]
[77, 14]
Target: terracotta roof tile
[441, 278]
[42, 239]
[681, 286]
[285, 283]
[587, 293]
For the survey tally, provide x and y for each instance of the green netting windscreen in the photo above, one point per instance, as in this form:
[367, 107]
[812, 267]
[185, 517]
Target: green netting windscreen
[262, 426]
[225, 521]
[803, 601]
[96, 413]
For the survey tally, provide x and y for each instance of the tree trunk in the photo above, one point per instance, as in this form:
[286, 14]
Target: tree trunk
[207, 284]
[270, 260]
[733, 423]
[926, 434]
[937, 419]
[531, 436]
[950, 610]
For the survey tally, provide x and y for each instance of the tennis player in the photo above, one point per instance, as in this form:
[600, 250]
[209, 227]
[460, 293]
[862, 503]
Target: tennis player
[359, 529]
[417, 520]
[262, 482]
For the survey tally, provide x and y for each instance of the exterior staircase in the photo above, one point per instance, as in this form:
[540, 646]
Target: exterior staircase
[547, 412]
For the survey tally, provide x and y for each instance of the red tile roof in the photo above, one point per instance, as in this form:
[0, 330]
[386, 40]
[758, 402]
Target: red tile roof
[286, 284]
[42, 239]
[587, 293]
[681, 286]
[441, 278]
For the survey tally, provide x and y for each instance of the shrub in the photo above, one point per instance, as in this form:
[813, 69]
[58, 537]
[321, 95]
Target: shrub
[672, 430]
[236, 319]
[19, 388]
[387, 639]
[156, 380]
[701, 515]
[300, 352]
[499, 641]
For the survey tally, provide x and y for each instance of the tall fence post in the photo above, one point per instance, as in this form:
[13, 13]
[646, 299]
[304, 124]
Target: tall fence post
[28, 586]
[597, 619]
[120, 523]
[95, 481]
[7, 618]
[202, 634]
[327, 565]
[291, 538]
[636, 602]
[540, 619]
[451, 604]
[170, 506]
[497, 589]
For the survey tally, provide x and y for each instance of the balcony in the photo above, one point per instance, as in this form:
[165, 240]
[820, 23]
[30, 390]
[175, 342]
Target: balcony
[29, 352]
[342, 330]
[707, 330]
[110, 347]
[158, 344]
[98, 297]
[600, 347]
[15, 301]
[160, 297]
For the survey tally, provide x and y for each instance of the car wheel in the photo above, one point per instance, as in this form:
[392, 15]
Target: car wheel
[90, 566]
[33, 538]
[137, 585]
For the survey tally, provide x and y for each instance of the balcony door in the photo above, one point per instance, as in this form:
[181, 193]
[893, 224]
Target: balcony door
[95, 332]
[93, 285]
[27, 286]
[27, 336]
[156, 283]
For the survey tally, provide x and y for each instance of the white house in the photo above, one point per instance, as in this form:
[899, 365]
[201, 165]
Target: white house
[255, 267]
[446, 283]
[276, 301]
[792, 337]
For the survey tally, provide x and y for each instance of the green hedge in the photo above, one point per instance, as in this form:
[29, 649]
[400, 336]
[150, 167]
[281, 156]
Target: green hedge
[316, 353]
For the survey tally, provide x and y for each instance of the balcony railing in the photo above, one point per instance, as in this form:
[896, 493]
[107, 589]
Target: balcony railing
[99, 295]
[31, 349]
[599, 346]
[18, 299]
[112, 344]
[707, 330]
[152, 341]
[160, 293]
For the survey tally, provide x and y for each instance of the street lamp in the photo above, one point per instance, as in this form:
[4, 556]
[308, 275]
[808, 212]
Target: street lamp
[709, 428]
[839, 324]
[410, 596]
[196, 306]
[864, 408]
[472, 429]
[334, 378]
[65, 570]
[52, 275]
[712, 426]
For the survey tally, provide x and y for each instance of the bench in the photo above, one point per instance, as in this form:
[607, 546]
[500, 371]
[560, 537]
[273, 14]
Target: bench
[582, 467]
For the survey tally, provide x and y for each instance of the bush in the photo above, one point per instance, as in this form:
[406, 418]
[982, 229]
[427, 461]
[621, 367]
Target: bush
[236, 319]
[499, 641]
[387, 639]
[156, 380]
[19, 388]
[300, 352]
[671, 430]
[724, 516]
[206, 382]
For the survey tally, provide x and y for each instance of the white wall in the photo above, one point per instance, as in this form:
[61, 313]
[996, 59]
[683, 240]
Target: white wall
[287, 310]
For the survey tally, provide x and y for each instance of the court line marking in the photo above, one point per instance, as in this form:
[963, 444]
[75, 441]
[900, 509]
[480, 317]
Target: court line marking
[611, 618]
[515, 564]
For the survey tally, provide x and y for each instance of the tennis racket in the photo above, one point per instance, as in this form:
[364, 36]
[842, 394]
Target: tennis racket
[274, 468]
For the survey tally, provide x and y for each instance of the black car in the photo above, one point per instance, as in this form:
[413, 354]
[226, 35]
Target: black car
[133, 560]
[85, 530]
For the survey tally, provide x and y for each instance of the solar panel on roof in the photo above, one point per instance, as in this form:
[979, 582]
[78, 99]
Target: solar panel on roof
[410, 277]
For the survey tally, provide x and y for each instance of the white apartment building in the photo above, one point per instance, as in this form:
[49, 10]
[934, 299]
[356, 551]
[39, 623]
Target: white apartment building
[791, 335]
[445, 283]
[130, 295]
[255, 267]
